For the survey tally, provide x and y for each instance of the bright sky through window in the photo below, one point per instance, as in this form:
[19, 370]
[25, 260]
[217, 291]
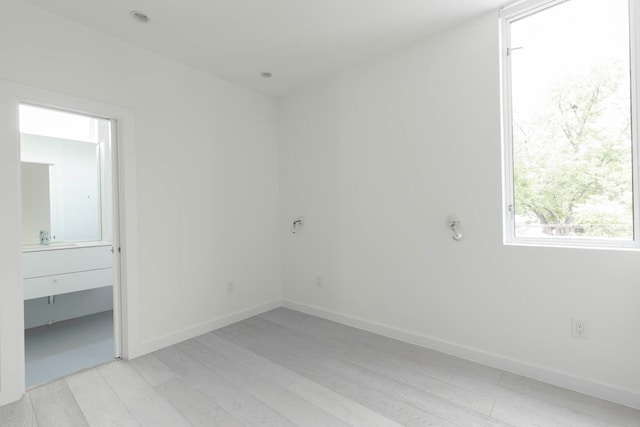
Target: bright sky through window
[570, 133]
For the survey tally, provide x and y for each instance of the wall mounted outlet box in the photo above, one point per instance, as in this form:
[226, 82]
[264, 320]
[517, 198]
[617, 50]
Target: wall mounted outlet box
[453, 222]
[44, 237]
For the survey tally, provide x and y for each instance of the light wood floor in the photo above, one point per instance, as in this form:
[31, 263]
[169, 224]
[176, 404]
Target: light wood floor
[285, 368]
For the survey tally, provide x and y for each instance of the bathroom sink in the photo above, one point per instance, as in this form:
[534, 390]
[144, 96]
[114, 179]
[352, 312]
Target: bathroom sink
[61, 245]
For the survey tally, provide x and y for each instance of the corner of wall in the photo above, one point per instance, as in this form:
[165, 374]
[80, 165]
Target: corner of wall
[194, 331]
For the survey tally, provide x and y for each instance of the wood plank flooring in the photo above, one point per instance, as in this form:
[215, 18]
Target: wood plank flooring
[285, 368]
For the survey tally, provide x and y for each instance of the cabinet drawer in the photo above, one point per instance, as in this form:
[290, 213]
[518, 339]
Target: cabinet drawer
[64, 283]
[62, 261]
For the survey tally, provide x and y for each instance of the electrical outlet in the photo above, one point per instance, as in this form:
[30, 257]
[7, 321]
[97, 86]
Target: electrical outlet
[319, 281]
[579, 328]
[231, 287]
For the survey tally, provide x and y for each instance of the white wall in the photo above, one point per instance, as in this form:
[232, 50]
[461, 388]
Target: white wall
[207, 180]
[377, 158]
[11, 290]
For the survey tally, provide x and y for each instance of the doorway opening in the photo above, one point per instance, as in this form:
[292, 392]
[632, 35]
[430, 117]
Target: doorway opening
[69, 231]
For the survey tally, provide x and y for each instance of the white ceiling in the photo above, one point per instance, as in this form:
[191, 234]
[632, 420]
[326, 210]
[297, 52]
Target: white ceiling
[299, 41]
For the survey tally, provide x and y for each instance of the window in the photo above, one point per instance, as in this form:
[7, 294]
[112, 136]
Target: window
[569, 124]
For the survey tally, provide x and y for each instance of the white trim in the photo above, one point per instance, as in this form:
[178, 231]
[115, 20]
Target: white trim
[507, 131]
[582, 385]
[118, 328]
[634, 54]
[127, 199]
[194, 331]
[11, 323]
[12, 380]
[527, 7]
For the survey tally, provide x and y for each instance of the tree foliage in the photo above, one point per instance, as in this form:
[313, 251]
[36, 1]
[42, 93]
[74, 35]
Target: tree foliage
[572, 164]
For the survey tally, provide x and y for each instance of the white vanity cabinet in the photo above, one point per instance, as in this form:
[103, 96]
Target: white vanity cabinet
[56, 271]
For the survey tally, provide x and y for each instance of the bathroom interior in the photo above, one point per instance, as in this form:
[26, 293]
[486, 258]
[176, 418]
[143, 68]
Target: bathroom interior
[67, 237]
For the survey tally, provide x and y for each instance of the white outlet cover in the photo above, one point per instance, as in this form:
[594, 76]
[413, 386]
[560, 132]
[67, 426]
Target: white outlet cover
[579, 329]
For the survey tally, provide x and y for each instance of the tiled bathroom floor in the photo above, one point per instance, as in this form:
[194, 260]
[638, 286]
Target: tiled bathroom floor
[65, 347]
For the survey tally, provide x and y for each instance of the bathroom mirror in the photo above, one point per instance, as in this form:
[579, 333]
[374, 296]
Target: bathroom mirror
[60, 190]
[66, 176]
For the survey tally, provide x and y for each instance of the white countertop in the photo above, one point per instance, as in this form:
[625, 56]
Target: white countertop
[64, 245]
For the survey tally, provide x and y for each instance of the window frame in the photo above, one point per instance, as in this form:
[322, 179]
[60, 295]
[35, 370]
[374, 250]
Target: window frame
[512, 14]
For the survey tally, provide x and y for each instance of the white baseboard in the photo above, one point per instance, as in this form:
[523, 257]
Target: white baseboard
[188, 333]
[560, 379]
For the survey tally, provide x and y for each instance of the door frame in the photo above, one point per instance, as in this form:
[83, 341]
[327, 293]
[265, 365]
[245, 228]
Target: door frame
[125, 229]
